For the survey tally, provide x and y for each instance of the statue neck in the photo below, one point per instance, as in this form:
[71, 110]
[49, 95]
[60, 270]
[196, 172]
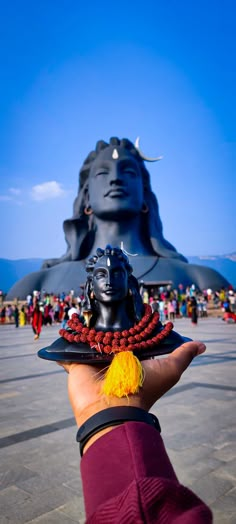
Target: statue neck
[125, 234]
[112, 317]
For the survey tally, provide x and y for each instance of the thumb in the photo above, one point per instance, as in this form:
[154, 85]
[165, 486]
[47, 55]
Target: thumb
[183, 355]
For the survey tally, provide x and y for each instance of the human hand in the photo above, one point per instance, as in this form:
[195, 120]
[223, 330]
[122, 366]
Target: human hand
[160, 375]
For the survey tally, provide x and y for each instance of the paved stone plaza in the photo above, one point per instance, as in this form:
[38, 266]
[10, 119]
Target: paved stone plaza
[40, 458]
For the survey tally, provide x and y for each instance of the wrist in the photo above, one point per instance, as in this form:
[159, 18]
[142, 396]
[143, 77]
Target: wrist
[82, 415]
[109, 418]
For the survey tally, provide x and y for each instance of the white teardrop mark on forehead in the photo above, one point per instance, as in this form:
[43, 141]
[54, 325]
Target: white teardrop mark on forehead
[115, 154]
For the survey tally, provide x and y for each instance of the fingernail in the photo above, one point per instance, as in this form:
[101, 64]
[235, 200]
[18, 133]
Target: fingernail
[201, 348]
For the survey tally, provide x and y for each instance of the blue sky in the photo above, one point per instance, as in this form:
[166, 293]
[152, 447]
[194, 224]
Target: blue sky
[74, 72]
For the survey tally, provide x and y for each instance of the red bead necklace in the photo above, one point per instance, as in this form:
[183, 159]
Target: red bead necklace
[136, 338]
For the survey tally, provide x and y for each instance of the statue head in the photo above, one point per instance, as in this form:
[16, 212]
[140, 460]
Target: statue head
[110, 282]
[119, 154]
[102, 193]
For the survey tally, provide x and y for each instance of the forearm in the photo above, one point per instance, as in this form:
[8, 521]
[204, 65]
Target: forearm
[130, 462]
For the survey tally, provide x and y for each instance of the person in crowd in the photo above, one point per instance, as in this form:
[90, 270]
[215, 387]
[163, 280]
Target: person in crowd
[183, 308]
[3, 315]
[232, 300]
[226, 305]
[194, 312]
[65, 316]
[37, 321]
[155, 304]
[16, 316]
[166, 312]
[22, 316]
[9, 313]
[161, 308]
[189, 307]
[73, 309]
[47, 318]
[145, 296]
[171, 310]
[57, 312]
[29, 300]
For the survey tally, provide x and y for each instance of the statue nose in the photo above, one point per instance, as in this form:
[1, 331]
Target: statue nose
[116, 177]
[109, 280]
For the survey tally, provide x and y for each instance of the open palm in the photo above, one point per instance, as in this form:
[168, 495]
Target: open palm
[84, 382]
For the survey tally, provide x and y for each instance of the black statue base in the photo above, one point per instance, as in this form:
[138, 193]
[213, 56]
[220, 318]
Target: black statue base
[63, 351]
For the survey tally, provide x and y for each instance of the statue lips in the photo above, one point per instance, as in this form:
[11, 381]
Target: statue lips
[116, 192]
[111, 291]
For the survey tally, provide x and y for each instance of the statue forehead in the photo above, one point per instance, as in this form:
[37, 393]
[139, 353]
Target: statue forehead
[107, 262]
[114, 153]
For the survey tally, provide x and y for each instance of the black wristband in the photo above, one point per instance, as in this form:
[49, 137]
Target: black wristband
[113, 417]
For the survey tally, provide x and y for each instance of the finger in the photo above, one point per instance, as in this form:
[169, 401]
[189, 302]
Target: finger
[162, 374]
[183, 355]
[63, 365]
[67, 366]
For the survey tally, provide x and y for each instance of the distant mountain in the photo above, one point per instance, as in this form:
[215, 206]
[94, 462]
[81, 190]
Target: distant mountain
[224, 264]
[13, 270]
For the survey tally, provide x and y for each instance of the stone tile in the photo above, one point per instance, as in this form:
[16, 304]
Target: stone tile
[189, 473]
[228, 471]
[226, 453]
[224, 518]
[74, 509]
[12, 496]
[75, 484]
[189, 456]
[20, 508]
[22, 513]
[12, 476]
[210, 487]
[53, 517]
[226, 503]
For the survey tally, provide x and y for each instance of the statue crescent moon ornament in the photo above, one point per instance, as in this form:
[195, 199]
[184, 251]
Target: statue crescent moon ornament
[142, 155]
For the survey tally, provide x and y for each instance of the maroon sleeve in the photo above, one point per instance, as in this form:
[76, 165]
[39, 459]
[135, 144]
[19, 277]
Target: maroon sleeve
[128, 478]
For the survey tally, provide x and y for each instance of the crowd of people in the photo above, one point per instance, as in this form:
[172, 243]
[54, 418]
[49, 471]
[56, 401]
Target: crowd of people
[189, 303]
[41, 309]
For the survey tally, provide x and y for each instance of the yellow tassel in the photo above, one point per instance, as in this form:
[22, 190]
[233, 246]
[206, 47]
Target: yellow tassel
[124, 376]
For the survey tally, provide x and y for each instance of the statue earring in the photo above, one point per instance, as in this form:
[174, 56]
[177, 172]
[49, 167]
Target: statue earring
[92, 295]
[88, 210]
[145, 208]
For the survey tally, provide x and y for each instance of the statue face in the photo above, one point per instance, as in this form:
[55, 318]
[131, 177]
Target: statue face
[115, 184]
[110, 280]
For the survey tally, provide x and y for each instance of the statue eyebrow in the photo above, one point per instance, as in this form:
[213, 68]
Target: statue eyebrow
[114, 268]
[105, 165]
[128, 162]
